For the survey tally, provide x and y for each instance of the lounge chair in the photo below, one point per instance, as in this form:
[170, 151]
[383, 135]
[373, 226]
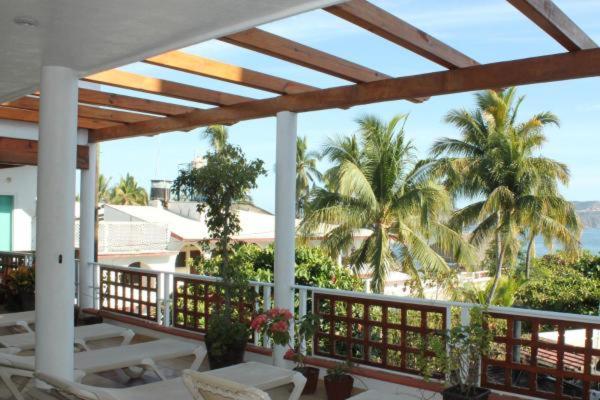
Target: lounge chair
[21, 319]
[83, 334]
[205, 386]
[143, 355]
[172, 389]
[191, 386]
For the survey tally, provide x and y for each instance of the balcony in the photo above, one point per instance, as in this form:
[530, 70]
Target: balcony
[538, 354]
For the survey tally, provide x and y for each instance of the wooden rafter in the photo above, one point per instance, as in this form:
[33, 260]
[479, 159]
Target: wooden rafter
[547, 15]
[19, 114]
[581, 64]
[24, 152]
[33, 103]
[276, 46]
[202, 66]
[120, 101]
[129, 80]
[392, 28]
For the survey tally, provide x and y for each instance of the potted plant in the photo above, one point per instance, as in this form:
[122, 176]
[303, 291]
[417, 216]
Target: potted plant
[306, 329]
[226, 178]
[18, 287]
[457, 358]
[339, 382]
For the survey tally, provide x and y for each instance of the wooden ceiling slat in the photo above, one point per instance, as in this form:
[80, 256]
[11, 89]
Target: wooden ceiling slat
[549, 17]
[198, 65]
[276, 46]
[584, 63]
[121, 101]
[17, 114]
[25, 152]
[392, 28]
[129, 80]
[33, 103]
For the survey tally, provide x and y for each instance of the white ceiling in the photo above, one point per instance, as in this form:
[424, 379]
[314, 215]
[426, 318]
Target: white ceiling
[95, 35]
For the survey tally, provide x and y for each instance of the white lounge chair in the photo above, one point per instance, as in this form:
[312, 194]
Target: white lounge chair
[22, 319]
[192, 386]
[143, 355]
[172, 389]
[83, 334]
[204, 386]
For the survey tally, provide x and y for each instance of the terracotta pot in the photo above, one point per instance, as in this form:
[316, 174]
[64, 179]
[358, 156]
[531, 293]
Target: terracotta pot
[454, 393]
[338, 387]
[312, 378]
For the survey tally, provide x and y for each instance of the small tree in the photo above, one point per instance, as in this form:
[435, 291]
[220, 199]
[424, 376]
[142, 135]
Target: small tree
[224, 180]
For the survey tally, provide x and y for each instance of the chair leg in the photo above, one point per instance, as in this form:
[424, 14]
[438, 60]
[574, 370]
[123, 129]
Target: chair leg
[200, 354]
[299, 381]
[127, 336]
[149, 365]
[6, 375]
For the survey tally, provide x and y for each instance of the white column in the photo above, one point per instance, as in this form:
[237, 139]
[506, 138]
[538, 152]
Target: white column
[87, 225]
[285, 205]
[55, 249]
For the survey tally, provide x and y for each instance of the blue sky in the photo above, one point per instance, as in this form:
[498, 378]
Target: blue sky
[486, 30]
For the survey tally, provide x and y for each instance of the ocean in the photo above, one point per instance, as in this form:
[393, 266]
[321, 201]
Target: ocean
[590, 240]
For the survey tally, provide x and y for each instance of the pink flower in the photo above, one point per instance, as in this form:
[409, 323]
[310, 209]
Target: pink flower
[280, 326]
[287, 314]
[290, 353]
[258, 322]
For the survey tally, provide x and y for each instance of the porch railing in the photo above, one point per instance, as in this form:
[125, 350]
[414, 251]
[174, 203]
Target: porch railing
[537, 353]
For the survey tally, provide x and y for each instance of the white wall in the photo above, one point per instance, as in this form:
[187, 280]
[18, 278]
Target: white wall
[156, 262]
[20, 182]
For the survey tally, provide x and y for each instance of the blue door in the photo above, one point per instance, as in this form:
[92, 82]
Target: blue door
[6, 209]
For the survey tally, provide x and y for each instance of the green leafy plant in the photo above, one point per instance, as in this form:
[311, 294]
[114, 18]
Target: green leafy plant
[306, 328]
[340, 369]
[458, 356]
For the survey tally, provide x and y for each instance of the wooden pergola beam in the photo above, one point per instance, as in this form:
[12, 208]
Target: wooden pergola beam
[25, 152]
[202, 66]
[549, 17]
[19, 114]
[129, 80]
[121, 101]
[33, 103]
[392, 28]
[581, 64]
[276, 46]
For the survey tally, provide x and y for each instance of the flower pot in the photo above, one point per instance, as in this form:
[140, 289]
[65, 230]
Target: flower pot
[454, 393]
[338, 387]
[230, 355]
[312, 378]
[27, 301]
[24, 301]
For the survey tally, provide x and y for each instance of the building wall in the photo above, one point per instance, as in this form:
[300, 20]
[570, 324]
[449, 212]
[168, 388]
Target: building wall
[156, 262]
[20, 183]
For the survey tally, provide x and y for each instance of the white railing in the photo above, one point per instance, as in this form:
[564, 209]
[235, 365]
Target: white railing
[520, 336]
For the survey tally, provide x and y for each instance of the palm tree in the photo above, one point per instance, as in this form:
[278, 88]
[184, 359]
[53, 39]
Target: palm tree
[307, 174]
[217, 135]
[496, 160]
[383, 190]
[103, 189]
[128, 192]
[340, 150]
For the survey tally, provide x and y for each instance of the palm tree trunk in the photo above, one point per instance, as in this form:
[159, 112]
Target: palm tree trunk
[500, 253]
[528, 256]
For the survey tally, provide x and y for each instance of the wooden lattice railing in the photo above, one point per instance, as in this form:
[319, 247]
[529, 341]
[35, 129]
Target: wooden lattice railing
[129, 291]
[532, 357]
[385, 334]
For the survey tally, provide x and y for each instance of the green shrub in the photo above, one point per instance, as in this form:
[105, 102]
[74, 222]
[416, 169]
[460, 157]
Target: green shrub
[563, 285]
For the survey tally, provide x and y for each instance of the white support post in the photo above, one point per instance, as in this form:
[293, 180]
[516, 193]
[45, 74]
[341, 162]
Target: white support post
[285, 222]
[303, 299]
[55, 249]
[168, 285]
[266, 307]
[87, 227]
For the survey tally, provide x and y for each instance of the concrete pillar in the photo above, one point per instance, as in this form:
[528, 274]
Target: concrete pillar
[87, 225]
[55, 249]
[285, 208]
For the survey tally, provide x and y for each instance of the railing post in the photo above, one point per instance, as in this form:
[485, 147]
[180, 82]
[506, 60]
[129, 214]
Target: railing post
[167, 286]
[267, 307]
[256, 311]
[301, 314]
[160, 284]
